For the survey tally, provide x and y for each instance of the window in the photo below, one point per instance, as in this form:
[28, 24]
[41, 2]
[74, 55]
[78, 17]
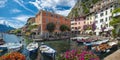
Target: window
[46, 20]
[46, 14]
[110, 18]
[96, 21]
[110, 10]
[96, 16]
[75, 23]
[106, 25]
[72, 27]
[101, 14]
[79, 27]
[51, 15]
[76, 28]
[106, 19]
[106, 12]
[57, 22]
[87, 18]
[84, 22]
[90, 22]
[101, 20]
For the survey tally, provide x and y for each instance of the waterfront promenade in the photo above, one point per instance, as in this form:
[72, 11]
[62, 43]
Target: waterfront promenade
[114, 56]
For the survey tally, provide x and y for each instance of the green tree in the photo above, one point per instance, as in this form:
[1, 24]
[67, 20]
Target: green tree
[17, 31]
[116, 10]
[32, 27]
[63, 28]
[50, 27]
[115, 22]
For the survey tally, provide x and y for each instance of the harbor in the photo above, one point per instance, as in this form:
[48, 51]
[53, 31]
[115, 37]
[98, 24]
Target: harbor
[32, 52]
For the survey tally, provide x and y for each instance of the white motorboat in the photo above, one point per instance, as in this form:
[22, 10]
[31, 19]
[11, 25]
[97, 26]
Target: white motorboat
[12, 46]
[32, 47]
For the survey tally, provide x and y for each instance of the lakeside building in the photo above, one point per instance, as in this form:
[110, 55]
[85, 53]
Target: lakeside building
[90, 18]
[103, 13]
[89, 21]
[42, 18]
[77, 24]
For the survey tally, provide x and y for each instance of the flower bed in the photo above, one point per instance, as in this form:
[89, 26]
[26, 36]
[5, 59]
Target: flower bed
[13, 56]
[79, 55]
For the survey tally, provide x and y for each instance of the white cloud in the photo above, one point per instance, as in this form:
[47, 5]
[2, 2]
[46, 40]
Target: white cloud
[36, 4]
[42, 4]
[2, 3]
[22, 18]
[63, 12]
[15, 11]
[15, 22]
[22, 5]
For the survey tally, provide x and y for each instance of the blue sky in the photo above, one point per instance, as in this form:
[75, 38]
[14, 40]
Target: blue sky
[16, 12]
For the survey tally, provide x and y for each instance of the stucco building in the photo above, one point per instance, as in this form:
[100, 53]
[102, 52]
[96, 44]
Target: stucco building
[103, 13]
[44, 17]
[77, 24]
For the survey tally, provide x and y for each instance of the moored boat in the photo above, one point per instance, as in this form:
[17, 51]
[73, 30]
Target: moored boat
[48, 51]
[11, 47]
[32, 47]
[2, 41]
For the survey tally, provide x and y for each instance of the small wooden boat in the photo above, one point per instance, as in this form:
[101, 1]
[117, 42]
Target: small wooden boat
[48, 51]
[32, 47]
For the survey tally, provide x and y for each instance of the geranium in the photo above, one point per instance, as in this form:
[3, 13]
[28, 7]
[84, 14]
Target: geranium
[79, 55]
[13, 56]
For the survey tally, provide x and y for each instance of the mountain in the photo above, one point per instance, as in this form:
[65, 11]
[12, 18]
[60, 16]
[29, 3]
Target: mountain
[81, 8]
[5, 26]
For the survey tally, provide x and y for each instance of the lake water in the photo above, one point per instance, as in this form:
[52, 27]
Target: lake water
[60, 46]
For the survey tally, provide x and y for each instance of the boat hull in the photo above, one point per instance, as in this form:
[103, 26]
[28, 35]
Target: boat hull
[3, 48]
[15, 49]
[33, 51]
[49, 54]
[32, 48]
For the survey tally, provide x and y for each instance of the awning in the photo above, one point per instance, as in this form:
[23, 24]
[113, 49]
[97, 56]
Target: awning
[106, 29]
[98, 30]
[88, 31]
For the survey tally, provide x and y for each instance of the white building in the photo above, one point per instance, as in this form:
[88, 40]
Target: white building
[103, 14]
[102, 19]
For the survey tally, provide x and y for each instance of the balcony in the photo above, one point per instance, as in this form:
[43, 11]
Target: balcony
[116, 14]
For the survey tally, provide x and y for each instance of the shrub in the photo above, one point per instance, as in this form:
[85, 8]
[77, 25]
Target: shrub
[13, 56]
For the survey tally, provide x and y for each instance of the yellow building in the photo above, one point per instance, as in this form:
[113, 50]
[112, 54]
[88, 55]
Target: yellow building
[90, 18]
